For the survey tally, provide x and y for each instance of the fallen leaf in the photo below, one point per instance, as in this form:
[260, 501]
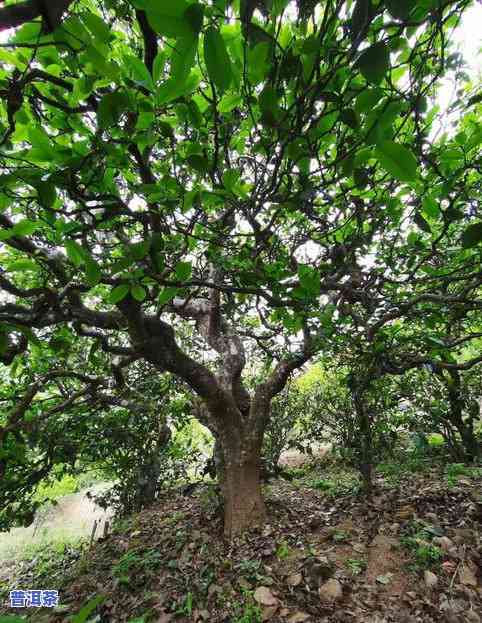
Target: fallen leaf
[385, 579]
[405, 512]
[244, 583]
[431, 580]
[444, 542]
[467, 575]
[449, 566]
[298, 617]
[265, 597]
[268, 611]
[330, 591]
[294, 580]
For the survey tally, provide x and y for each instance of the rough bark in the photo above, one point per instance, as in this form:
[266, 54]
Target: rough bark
[464, 427]
[244, 506]
[239, 474]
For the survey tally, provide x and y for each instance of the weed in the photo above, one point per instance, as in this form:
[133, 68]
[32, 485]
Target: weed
[249, 568]
[174, 518]
[340, 483]
[247, 611]
[339, 536]
[187, 606]
[322, 485]
[356, 566]
[397, 470]
[133, 559]
[283, 550]
[425, 553]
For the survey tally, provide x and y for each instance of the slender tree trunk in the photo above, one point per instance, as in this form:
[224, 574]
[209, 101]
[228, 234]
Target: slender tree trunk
[366, 442]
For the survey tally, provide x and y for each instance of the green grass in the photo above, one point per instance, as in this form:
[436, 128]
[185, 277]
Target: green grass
[454, 471]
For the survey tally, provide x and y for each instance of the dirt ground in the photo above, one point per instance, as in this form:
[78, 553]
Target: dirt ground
[410, 554]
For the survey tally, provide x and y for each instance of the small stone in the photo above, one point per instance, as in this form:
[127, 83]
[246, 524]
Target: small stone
[330, 591]
[472, 617]
[431, 580]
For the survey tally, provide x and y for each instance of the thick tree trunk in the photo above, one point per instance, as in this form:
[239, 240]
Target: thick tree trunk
[465, 427]
[239, 476]
[244, 506]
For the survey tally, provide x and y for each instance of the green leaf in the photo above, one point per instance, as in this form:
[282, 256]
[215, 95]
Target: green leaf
[229, 102]
[139, 71]
[231, 178]
[268, 103]
[198, 162]
[361, 17]
[110, 108]
[119, 293]
[23, 265]
[472, 235]
[75, 252]
[217, 60]
[430, 207]
[46, 194]
[422, 223]
[138, 292]
[374, 62]
[309, 279]
[350, 118]
[400, 9]
[258, 62]
[92, 271]
[397, 160]
[97, 26]
[368, 99]
[25, 227]
[194, 14]
[84, 613]
[158, 66]
[182, 59]
[166, 295]
[183, 270]
[173, 18]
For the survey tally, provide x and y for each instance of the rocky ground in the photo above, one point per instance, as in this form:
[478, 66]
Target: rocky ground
[413, 553]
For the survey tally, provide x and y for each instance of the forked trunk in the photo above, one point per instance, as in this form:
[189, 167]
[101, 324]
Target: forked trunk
[244, 506]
